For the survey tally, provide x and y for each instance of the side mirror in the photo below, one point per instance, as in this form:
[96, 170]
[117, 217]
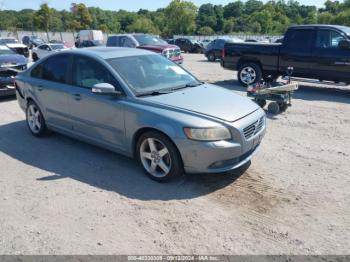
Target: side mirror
[344, 44]
[105, 89]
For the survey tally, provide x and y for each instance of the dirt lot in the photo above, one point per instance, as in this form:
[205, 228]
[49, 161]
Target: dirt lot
[60, 196]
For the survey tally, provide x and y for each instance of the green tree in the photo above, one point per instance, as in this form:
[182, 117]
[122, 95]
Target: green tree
[229, 25]
[181, 17]
[205, 30]
[42, 17]
[81, 17]
[143, 25]
[234, 9]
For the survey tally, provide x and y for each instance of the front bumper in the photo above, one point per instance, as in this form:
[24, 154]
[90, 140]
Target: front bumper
[222, 156]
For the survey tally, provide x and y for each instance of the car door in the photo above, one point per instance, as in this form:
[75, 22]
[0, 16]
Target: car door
[330, 61]
[44, 50]
[99, 118]
[296, 52]
[50, 89]
[219, 45]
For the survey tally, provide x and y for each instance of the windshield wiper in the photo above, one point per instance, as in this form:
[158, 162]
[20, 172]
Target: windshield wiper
[153, 93]
[187, 85]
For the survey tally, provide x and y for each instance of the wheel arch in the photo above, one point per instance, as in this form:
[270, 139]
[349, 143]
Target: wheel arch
[143, 130]
[246, 60]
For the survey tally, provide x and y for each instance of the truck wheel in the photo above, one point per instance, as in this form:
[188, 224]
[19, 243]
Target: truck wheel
[273, 108]
[249, 74]
[211, 57]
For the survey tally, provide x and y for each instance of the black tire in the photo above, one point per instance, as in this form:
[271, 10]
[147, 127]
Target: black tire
[211, 57]
[40, 131]
[273, 108]
[261, 102]
[250, 67]
[172, 159]
[35, 57]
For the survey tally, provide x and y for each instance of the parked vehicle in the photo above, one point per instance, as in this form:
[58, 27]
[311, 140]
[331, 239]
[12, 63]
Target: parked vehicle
[314, 51]
[10, 64]
[170, 41]
[89, 36]
[32, 41]
[14, 45]
[215, 47]
[189, 45]
[46, 49]
[205, 43]
[251, 41]
[147, 42]
[142, 105]
[66, 44]
[90, 43]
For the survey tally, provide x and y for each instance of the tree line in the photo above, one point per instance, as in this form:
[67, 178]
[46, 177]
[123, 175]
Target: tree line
[180, 17]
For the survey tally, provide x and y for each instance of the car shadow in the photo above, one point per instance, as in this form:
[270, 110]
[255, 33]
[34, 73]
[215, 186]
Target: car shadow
[7, 98]
[64, 158]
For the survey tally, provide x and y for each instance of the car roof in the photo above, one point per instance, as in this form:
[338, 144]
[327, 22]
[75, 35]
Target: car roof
[109, 52]
[339, 27]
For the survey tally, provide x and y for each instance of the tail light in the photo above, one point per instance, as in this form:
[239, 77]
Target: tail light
[223, 53]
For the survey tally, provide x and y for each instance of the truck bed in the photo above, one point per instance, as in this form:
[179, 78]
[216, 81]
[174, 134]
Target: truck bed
[235, 53]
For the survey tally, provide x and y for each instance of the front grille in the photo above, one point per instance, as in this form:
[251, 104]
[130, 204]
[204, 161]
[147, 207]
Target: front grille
[253, 128]
[174, 53]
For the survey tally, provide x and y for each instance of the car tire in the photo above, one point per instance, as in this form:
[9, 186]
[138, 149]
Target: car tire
[35, 57]
[211, 57]
[261, 102]
[35, 120]
[158, 156]
[249, 74]
[273, 108]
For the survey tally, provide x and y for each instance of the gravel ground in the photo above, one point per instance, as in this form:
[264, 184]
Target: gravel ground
[61, 196]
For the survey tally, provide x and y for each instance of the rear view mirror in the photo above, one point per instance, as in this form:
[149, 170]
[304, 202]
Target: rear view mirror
[344, 44]
[105, 89]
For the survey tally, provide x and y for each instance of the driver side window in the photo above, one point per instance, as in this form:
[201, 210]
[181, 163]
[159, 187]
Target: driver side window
[328, 39]
[88, 72]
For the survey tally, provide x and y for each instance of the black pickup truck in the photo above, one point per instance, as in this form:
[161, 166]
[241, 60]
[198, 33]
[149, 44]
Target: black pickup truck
[314, 51]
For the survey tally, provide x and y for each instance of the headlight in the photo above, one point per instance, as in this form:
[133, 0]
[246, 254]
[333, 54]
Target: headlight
[208, 134]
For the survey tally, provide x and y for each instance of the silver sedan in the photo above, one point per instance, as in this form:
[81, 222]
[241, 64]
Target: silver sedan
[141, 105]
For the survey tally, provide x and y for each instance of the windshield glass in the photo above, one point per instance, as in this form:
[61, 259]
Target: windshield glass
[151, 73]
[345, 29]
[56, 47]
[149, 40]
[8, 41]
[6, 52]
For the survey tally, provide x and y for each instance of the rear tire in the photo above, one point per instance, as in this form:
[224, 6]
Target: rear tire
[249, 74]
[261, 102]
[158, 156]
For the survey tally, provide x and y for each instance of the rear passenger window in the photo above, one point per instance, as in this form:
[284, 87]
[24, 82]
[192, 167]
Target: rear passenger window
[55, 69]
[299, 40]
[37, 71]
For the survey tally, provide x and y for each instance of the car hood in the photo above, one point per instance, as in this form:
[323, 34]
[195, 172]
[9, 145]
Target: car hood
[209, 100]
[159, 47]
[13, 59]
[16, 45]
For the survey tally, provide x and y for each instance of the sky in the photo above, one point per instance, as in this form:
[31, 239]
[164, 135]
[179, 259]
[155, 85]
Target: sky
[130, 5]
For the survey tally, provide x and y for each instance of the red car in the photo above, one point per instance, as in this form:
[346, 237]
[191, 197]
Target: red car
[148, 42]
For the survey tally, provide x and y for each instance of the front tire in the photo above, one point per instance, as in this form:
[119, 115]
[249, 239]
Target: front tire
[249, 74]
[159, 156]
[35, 120]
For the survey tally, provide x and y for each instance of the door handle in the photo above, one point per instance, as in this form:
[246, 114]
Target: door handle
[77, 97]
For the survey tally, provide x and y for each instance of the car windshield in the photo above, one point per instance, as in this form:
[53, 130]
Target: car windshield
[149, 40]
[6, 52]
[56, 47]
[151, 73]
[8, 41]
[345, 29]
